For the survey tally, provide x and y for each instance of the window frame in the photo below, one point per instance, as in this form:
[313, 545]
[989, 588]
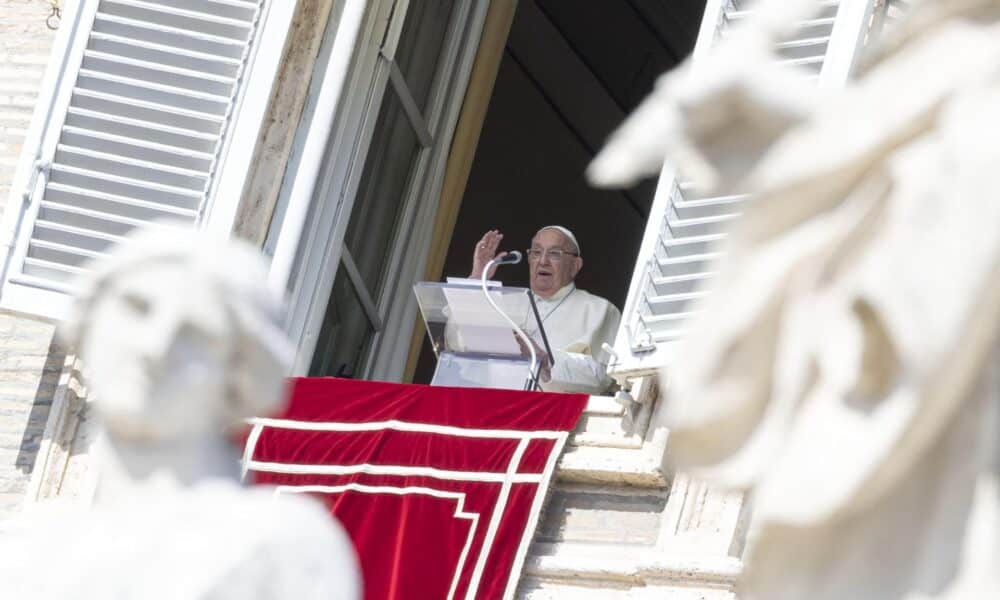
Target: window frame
[320, 189]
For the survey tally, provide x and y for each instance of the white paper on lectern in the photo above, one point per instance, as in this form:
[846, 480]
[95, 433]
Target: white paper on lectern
[474, 325]
[472, 282]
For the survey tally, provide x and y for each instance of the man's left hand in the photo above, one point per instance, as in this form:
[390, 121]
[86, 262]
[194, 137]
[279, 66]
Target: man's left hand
[544, 360]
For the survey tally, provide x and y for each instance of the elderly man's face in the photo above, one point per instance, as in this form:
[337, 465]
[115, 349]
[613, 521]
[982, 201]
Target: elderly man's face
[548, 273]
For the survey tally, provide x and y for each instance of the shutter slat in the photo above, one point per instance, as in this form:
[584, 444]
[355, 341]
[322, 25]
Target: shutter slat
[88, 219]
[109, 203]
[702, 244]
[140, 110]
[238, 14]
[168, 18]
[160, 67]
[236, 9]
[665, 335]
[90, 239]
[165, 95]
[686, 265]
[804, 43]
[814, 62]
[123, 186]
[691, 210]
[177, 77]
[131, 161]
[131, 169]
[51, 272]
[671, 318]
[188, 139]
[168, 36]
[673, 284]
[164, 55]
[699, 226]
[142, 150]
[59, 253]
[671, 301]
[47, 281]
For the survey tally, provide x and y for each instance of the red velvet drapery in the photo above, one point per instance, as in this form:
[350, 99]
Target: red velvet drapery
[439, 488]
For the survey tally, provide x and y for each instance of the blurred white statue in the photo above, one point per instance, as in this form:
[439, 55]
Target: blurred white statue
[181, 342]
[738, 88]
[845, 369]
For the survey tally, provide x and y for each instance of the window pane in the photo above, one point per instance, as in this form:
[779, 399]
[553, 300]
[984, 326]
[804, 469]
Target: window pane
[345, 334]
[379, 202]
[420, 45]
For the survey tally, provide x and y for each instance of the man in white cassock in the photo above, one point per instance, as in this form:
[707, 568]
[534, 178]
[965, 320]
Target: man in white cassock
[577, 323]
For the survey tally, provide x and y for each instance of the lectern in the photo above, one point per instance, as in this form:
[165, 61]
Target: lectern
[474, 345]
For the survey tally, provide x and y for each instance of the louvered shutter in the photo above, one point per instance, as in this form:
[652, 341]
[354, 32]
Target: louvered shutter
[138, 117]
[684, 231]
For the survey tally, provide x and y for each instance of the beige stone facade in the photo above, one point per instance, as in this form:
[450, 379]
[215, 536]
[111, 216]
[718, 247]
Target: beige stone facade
[30, 365]
[25, 42]
[30, 358]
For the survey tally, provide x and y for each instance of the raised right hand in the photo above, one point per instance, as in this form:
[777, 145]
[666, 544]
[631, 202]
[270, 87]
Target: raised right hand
[486, 250]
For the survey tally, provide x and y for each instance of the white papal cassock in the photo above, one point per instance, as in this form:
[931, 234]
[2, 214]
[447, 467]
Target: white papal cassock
[577, 323]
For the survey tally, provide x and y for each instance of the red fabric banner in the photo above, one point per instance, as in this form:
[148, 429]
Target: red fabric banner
[439, 488]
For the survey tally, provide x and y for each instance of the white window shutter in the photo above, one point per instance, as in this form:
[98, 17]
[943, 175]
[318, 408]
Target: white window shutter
[683, 236]
[130, 129]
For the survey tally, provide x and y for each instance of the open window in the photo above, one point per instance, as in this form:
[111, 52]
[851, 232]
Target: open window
[402, 195]
[567, 76]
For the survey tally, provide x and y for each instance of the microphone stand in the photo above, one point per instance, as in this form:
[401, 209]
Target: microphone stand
[532, 383]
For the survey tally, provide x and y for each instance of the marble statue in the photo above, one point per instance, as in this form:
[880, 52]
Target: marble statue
[846, 371]
[181, 342]
[693, 112]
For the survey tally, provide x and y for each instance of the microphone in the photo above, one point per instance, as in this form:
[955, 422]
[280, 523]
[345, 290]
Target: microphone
[511, 258]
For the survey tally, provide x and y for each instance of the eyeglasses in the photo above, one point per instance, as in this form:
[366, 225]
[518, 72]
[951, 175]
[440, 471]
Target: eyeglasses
[555, 254]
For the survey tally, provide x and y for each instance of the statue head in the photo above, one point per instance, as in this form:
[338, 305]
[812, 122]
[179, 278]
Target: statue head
[180, 339]
[179, 336]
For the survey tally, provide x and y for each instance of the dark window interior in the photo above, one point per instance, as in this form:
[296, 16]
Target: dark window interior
[571, 72]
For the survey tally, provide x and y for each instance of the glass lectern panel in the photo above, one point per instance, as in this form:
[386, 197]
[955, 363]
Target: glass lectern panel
[460, 320]
[475, 345]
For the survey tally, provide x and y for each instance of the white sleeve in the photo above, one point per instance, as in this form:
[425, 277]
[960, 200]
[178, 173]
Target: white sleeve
[574, 372]
[577, 366]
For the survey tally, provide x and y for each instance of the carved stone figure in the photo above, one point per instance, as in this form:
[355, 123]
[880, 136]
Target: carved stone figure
[845, 370]
[181, 342]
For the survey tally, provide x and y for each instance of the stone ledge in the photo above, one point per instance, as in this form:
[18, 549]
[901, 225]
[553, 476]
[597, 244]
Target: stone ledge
[533, 589]
[603, 405]
[589, 464]
[592, 565]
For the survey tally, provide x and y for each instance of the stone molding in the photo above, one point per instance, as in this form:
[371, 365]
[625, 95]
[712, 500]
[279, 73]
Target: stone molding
[62, 468]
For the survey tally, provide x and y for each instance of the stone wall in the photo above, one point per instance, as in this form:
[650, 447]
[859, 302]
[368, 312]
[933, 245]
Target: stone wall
[30, 364]
[30, 361]
[25, 42]
[278, 133]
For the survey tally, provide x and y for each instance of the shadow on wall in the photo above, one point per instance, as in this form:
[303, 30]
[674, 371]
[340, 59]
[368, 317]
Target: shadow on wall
[41, 404]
